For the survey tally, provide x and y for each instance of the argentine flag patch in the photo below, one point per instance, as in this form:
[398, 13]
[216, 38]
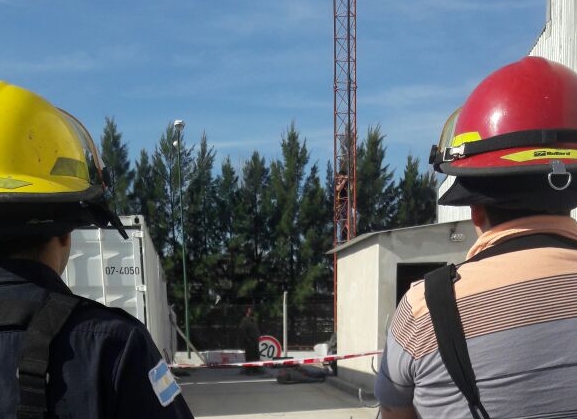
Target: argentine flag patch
[163, 383]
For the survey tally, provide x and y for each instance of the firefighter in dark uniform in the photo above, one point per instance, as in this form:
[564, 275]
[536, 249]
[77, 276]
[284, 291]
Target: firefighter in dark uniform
[63, 356]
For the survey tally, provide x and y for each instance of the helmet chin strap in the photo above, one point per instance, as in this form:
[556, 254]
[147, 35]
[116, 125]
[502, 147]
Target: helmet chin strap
[558, 170]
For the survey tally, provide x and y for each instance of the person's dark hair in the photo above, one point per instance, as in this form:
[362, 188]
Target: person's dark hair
[30, 247]
[501, 215]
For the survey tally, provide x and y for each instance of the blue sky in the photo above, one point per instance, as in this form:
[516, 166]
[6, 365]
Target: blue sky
[243, 70]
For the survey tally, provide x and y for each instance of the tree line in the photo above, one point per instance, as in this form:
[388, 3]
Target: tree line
[253, 232]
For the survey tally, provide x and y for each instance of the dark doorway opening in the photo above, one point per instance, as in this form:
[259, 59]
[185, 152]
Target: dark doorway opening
[411, 272]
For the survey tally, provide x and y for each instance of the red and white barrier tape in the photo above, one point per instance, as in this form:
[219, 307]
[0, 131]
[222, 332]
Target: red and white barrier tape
[279, 362]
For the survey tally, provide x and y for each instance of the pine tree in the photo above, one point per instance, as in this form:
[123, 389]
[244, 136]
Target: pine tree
[200, 222]
[164, 223]
[315, 223]
[376, 190]
[144, 191]
[165, 172]
[286, 187]
[254, 230]
[115, 155]
[228, 260]
[417, 196]
[327, 287]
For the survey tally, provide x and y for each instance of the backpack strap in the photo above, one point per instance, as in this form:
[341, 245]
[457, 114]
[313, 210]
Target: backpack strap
[442, 304]
[33, 368]
[16, 314]
[440, 297]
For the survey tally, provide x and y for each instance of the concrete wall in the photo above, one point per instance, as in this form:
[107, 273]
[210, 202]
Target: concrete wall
[358, 307]
[367, 285]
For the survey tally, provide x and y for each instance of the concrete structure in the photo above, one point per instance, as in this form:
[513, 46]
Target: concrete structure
[374, 271]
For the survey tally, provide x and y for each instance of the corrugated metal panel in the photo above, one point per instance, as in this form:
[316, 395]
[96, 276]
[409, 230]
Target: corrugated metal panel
[123, 273]
[558, 42]
[106, 268]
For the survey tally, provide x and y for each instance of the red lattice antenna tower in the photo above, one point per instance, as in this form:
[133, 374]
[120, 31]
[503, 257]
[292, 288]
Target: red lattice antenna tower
[345, 125]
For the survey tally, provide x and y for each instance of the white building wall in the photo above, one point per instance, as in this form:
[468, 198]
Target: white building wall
[558, 40]
[357, 309]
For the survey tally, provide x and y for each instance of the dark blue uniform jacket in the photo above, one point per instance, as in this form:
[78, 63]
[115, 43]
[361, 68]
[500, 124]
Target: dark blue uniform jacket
[99, 362]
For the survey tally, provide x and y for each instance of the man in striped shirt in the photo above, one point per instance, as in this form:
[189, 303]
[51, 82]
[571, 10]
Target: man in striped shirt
[513, 149]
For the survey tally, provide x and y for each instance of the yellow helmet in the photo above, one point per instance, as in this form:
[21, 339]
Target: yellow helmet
[51, 177]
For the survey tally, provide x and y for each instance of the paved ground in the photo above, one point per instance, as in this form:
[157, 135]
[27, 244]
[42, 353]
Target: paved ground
[228, 394]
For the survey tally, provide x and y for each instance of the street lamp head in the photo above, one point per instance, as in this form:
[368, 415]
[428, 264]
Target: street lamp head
[179, 125]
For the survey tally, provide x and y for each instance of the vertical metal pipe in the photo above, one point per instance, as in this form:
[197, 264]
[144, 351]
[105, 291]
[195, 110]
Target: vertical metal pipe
[185, 292]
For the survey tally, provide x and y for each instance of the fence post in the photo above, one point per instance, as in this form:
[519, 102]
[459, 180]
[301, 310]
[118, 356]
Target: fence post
[284, 324]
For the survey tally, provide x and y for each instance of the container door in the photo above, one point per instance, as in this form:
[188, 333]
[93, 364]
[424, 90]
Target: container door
[106, 268]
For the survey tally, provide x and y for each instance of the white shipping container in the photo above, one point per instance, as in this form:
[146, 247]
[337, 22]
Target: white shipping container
[126, 274]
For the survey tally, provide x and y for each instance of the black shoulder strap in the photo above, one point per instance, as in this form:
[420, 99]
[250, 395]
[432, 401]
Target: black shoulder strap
[33, 368]
[440, 297]
[442, 304]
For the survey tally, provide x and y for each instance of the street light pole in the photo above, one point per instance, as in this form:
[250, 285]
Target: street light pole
[179, 126]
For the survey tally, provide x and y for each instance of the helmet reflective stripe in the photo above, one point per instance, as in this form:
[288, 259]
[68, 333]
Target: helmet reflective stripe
[11, 183]
[466, 137]
[542, 153]
[65, 166]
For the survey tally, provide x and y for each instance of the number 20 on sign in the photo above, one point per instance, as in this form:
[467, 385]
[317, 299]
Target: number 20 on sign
[268, 347]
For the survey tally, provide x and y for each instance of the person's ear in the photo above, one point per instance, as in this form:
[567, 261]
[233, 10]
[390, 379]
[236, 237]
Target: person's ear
[65, 240]
[479, 217]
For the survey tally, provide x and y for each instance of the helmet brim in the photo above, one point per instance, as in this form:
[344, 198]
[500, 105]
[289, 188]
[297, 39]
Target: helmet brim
[530, 192]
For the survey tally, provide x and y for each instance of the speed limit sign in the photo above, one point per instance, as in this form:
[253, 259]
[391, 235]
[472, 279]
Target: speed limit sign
[268, 347]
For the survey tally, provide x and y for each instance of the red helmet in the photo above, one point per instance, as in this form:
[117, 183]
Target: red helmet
[513, 144]
[521, 119]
